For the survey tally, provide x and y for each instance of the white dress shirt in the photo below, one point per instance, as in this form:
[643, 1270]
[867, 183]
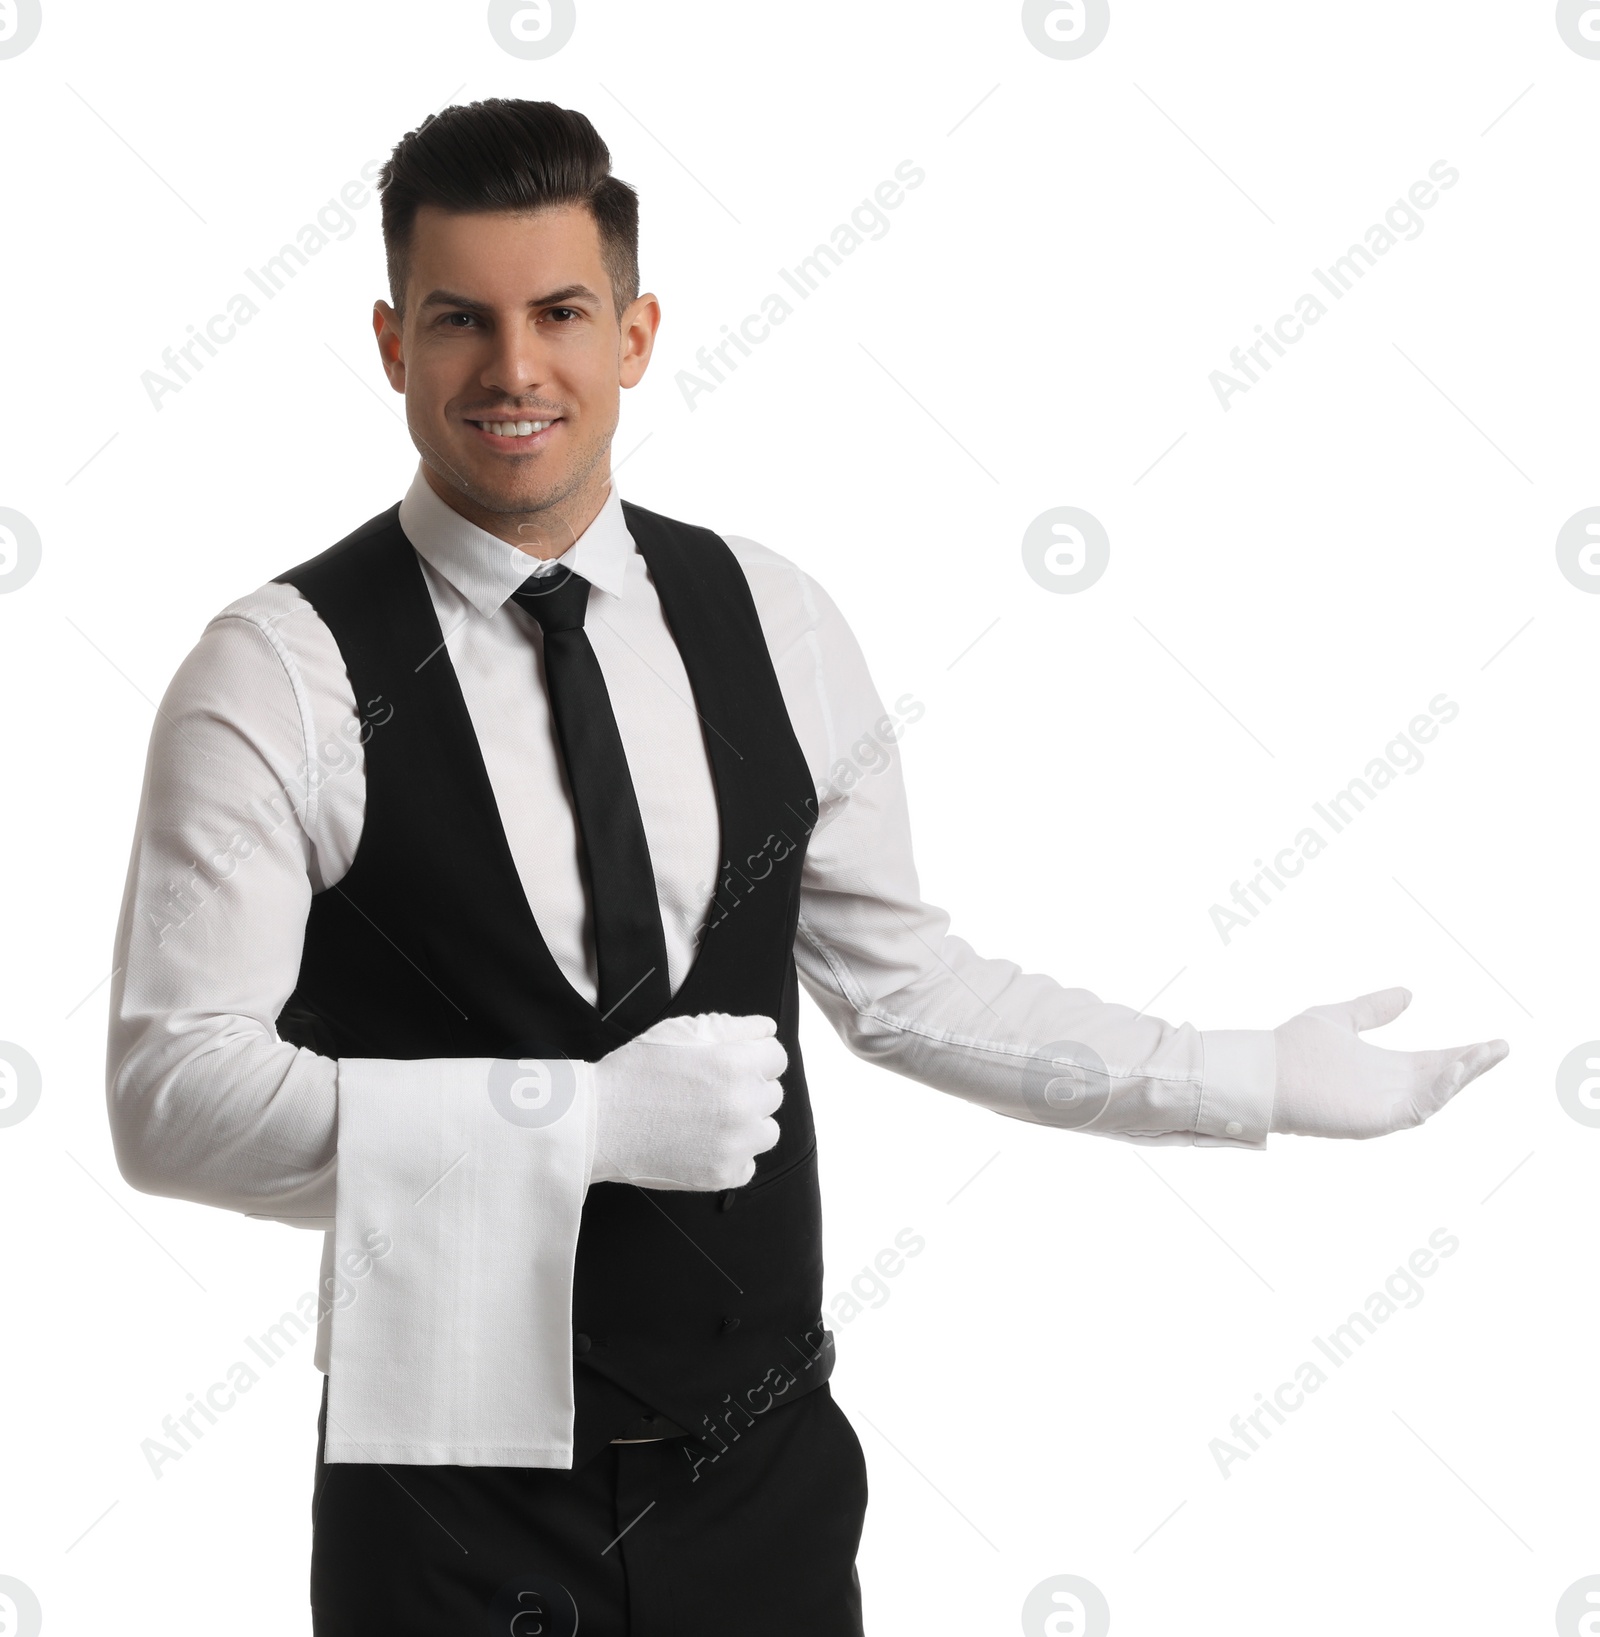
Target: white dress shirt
[254, 800]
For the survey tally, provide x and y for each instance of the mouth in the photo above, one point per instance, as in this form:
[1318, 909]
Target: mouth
[515, 436]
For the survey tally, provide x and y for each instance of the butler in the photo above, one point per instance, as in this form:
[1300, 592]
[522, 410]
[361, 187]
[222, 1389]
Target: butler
[480, 860]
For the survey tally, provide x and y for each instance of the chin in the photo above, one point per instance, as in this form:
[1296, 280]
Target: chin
[497, 494]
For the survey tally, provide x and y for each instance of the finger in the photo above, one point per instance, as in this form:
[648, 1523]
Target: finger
[1367, 1011]
[772, 1060]
[753, 1027]
[1443, 1074]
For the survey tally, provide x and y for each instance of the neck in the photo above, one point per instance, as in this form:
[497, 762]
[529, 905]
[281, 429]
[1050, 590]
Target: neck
[543, 531]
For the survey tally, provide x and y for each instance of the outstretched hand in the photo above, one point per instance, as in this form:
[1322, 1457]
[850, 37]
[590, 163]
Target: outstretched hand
[1332, 1083]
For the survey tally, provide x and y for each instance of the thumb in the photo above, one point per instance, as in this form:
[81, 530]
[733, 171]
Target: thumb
[705, 1029]
[1366, 1011]
[716, 1027]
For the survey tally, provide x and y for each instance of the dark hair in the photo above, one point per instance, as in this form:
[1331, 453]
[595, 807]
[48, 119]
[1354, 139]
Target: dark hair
[510, 155]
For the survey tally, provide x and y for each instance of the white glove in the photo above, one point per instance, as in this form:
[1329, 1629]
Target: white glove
[687, 1105]
[1331, 1083]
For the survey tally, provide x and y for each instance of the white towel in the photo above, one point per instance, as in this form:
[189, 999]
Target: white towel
[457, 1349]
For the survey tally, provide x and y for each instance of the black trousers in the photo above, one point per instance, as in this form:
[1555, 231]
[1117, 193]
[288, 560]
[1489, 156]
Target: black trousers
[675, 1538]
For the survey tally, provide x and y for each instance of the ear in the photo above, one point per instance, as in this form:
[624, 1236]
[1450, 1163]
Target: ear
[391, 348]
[637, 339]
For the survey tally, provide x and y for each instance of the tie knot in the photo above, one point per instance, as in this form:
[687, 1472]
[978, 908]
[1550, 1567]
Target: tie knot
[557, 599]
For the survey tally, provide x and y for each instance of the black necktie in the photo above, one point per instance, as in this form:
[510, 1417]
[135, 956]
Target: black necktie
[629, 947]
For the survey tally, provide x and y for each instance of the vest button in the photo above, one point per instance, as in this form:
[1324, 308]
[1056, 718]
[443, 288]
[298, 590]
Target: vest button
[728, 1197]
[729, 1324]
[580, 1344]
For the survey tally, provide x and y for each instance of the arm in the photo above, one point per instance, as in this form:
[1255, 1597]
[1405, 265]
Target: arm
[206, 1103]
[234, 836]
[903, 992]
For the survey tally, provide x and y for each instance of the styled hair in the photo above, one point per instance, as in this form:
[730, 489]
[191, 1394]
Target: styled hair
[509, 155]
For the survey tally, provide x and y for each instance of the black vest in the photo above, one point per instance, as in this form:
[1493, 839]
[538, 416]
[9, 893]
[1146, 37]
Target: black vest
[683, 1303]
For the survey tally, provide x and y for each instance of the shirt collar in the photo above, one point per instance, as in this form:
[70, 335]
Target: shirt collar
[486, 569]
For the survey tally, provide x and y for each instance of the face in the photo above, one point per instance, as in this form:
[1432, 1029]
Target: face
[512, 357]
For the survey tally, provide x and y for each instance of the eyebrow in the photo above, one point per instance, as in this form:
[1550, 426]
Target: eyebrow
[568, 292]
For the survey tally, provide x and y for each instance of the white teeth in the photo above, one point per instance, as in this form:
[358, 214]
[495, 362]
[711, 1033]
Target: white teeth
[515, 429]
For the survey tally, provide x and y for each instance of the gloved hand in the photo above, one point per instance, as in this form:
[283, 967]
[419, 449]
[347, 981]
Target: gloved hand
[1331, 1083]
[687, 1105]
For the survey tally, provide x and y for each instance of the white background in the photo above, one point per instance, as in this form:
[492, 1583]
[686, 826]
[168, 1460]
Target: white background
[1368, 527]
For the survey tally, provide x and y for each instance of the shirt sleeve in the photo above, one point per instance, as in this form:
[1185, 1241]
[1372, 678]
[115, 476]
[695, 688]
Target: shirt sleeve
[904, 992]
[206, 1103]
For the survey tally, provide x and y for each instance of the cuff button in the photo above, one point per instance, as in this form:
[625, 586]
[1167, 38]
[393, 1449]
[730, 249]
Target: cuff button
[1233, 1128]
[580, 1344]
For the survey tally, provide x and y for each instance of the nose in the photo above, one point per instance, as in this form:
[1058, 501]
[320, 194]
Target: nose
[518, 361]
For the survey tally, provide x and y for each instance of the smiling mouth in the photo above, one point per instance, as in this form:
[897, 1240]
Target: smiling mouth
[526, 433]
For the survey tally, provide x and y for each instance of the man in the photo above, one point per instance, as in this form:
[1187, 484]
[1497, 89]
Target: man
[478, 862]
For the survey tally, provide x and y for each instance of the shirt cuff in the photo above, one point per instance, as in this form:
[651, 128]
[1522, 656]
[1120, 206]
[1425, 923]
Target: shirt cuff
[1238, 1085]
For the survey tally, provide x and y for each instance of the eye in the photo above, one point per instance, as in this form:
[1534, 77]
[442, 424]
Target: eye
[449, 320]
[571, 311]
